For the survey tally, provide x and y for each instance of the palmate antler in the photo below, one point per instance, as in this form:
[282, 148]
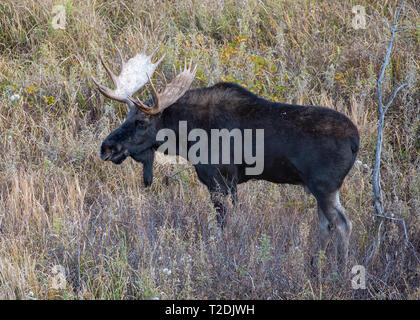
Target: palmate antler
[172, 92]
[134, 75]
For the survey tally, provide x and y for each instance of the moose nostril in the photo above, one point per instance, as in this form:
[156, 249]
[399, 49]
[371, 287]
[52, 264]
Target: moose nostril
[104, 148]
[106, 151]
[105, 157]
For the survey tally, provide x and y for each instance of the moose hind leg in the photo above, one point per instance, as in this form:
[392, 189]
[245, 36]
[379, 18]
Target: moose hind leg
[324, 229]
[338, 224]
[324, 239]
[343, 231]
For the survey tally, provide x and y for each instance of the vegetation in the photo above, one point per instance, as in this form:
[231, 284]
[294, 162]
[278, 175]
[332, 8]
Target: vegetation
[60, 205]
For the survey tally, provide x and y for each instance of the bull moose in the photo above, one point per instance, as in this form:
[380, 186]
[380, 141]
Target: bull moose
[303, 145]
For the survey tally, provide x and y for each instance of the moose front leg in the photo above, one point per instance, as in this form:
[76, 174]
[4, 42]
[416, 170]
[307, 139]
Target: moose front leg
[220, 182]
[219, 197]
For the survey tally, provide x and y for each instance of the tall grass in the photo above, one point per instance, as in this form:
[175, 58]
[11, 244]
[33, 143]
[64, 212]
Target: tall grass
[60, 205]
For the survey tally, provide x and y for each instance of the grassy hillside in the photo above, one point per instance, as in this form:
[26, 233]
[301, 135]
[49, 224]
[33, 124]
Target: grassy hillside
[60, 205]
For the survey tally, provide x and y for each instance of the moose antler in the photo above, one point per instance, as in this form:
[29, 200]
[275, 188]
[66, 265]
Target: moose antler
[134, 75]
[172, 92]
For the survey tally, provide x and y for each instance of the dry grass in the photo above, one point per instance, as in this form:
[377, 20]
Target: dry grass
[60, 205]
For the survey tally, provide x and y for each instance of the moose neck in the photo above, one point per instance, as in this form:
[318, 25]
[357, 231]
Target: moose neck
[174, 124]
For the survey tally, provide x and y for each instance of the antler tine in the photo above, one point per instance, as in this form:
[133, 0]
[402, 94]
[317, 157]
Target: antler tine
[140, 105]
[121, 57]
[154, 51]
[164, 78]
[194, 70]
[155, 93]
[108, 70]
[150, 111]
[105, 91]
[173, 65]
[153, 87]
[189, 68]
[160, 60]
[100, 87]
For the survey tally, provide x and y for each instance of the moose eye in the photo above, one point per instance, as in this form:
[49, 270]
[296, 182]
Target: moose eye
[140, 123]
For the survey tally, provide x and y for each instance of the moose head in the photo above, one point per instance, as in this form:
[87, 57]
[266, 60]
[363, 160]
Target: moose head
[135, 138]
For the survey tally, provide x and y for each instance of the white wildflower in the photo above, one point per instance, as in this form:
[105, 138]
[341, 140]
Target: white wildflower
[14, 97]
[31, 296]
[167, 271]
[361, 164]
